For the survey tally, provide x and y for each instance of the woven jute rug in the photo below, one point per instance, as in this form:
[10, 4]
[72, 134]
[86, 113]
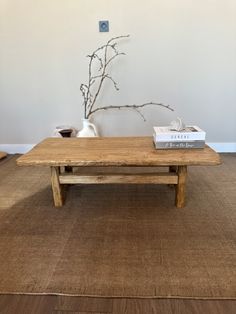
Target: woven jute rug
[119, 241]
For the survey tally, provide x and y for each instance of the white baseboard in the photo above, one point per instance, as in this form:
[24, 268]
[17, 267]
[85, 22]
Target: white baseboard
[24, 148]
[16, 148]
[223, 147]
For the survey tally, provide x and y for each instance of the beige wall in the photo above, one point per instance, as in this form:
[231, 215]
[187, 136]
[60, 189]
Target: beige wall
[181, 52]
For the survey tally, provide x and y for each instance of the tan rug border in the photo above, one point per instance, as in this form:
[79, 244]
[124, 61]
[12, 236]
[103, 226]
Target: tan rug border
[119, 297]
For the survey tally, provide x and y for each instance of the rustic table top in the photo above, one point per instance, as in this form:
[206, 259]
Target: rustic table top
[2, 155]
[113, 151]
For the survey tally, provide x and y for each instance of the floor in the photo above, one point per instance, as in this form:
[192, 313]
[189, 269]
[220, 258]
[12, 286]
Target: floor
[28, 304]
[36, 304]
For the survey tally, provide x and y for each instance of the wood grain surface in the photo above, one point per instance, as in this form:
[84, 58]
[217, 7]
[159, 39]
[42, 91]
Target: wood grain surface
[113, 151]
[57, 188]
[121, 179]
[181, 186]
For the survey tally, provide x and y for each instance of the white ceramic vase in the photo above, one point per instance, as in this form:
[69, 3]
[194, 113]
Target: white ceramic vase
[88, 130]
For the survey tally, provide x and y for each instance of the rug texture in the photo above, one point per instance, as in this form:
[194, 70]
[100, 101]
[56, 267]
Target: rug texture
[119, 241]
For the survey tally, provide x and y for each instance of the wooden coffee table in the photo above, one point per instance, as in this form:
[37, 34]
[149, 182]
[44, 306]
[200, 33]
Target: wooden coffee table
[110, 160]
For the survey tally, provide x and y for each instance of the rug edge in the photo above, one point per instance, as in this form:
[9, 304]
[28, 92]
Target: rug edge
[118, 296]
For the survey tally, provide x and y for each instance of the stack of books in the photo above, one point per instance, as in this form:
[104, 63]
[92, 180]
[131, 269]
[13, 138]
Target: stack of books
[190, 137]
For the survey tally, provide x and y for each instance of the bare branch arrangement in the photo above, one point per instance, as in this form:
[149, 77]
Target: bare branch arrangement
[103, 57]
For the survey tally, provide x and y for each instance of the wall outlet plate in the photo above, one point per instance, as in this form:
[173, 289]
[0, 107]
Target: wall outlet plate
[103, 26]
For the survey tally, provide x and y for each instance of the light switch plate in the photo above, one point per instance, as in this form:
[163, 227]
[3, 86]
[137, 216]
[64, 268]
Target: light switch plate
[103, 26]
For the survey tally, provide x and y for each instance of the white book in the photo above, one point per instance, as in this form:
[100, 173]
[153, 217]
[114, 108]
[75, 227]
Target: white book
[190, 133]
[179, 144]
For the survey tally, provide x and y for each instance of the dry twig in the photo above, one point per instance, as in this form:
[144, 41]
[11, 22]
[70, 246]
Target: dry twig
[135, 107]
[105, 55]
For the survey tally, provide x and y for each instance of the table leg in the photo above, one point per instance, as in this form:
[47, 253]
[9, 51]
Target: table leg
[173, 169]
[180, 188]
[57, 188]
